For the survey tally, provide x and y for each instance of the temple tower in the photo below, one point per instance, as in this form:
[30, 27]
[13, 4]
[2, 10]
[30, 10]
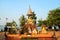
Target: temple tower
[29, 13]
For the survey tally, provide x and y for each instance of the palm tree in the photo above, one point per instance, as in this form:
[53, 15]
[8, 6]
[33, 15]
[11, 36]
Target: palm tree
[6, 27]
[6, 19]
[0, 19]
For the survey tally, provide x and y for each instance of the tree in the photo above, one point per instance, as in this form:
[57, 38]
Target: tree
[40, 22]
[5, 28]
[7, 24]
[22, 20]
[6, 19]
[54, 17]
[14, 23]
[0, 18]
[22, 24]
[10, 26]
[12, 30]
[34, 17]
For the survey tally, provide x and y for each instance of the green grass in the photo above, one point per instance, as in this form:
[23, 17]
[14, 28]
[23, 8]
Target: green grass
[23, 38]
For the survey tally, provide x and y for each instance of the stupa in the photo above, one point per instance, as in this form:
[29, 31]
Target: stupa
[34, 32]
[30, 23]
[43, 29]
[29, 13]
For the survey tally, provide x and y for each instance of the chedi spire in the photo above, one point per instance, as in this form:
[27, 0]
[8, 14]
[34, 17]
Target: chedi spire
[29, 13]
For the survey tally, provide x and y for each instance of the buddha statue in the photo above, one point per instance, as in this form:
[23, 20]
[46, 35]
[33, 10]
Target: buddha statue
[31, 26]
[30, 20]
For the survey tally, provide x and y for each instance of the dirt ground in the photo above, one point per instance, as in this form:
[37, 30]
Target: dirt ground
[57, 35]
[2, 37]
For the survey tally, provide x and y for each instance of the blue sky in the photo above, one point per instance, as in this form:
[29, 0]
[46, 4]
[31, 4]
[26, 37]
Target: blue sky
[13, 9]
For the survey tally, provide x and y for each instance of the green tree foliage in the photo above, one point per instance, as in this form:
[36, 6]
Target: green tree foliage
[22, 20]
[22, 24]
[34, 17]
[14, 23]
[0, 18]
[13, 30]
[7, 24]
[54, 17]
[40, 22]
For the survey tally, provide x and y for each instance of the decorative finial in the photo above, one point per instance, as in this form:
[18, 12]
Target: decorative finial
[29, 11]
[29, 7]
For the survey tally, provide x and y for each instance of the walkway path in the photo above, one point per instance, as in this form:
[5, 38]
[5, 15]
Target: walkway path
[2, 37]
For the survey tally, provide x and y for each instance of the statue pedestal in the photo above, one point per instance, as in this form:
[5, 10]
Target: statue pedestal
[41, 36]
